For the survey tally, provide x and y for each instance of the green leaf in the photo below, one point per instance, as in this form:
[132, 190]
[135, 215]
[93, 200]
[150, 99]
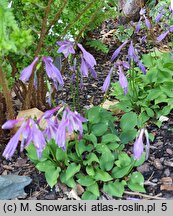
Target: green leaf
[60, 154]
[87, 195]
[107, 161]
[119, 172]
[101, 175]
[114, 189]
[94, 189]
[70, 182]
[128, 135]
[86, 181]
[90, 171]
[136, 182]
[45, 165]
[91, 137]
[101, 148]
[123, 160]
[128, 121]
[99, 129]
[31, 153]
[82, 147]
[94, 115]
[150, 112]
[52, 175]
[92, 157]
[110, 138]
[72, 170]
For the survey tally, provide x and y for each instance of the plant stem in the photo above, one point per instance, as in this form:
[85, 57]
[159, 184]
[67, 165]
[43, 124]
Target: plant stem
[27, 102]
[7, 95]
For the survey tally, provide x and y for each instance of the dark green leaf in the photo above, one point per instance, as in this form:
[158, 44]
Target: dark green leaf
[110, 138]
[52, 175]
[99, 129]
[87, 195]
[114, 189]
[86, 181]
[101, 175]
[136, 182]
[72, 170]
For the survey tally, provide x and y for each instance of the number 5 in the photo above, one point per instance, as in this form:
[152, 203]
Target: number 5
[164, 207]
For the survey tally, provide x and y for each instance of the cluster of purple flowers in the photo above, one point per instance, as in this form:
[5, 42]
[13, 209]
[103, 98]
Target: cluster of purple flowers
[66, 47]
[51, 70]
[30, 131]
[88, 61]
[143, 16]
[132, 57]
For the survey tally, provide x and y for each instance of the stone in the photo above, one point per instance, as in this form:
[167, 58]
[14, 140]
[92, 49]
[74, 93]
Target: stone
[130, 10]
[12, 186]
[144, 168]
[169, 151]
[157, 164]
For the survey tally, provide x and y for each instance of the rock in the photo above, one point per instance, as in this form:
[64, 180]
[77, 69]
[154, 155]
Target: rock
[167, 172]
[169, 151]
[130, 10]
[12, 186]
[168, 163]
[143, 168]
[157, 164]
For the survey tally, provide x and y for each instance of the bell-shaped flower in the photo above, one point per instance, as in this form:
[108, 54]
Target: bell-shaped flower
[11, 123]
[26, 73]
[138, 148]
[89, 59]
[28, 132]
[52, 71]
[123, 80]
[71, 122]
[107, 81]
[87, 63]
[118, 50]
[66, 47]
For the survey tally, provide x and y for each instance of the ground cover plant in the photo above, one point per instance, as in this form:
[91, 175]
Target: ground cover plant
[67, 142]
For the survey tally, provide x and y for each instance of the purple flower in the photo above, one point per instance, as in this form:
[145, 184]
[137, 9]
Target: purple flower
[89, 59]
[162, 36]
[107, 81]
[26, 73]
[71, 121]
[87, 63]
[27, 133]
[141, 66]
[131, 52]
[138, 27]
[147, 22]
[159, 16]
[138, 146]
[12, 144]
[84, 67]
[49, 113]
[11, 123]
[123, 80]
[66, 47]
[52, 71]
[118, 50]
[52, 128]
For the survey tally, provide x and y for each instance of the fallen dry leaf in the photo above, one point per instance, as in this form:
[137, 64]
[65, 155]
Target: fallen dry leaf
[166, 187]
[107, 105]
